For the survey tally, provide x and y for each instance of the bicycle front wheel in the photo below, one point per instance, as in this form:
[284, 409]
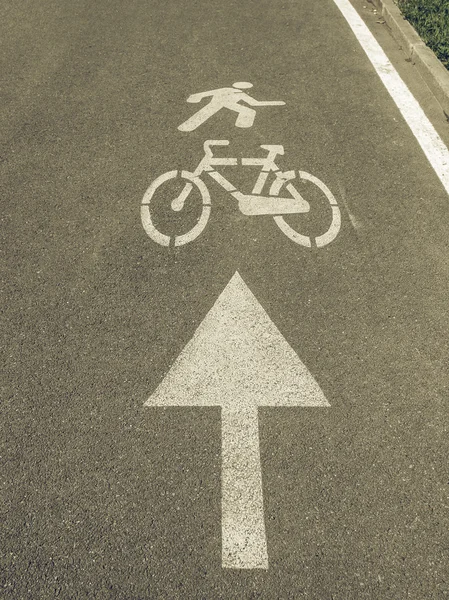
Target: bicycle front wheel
[148, 208]
[332, 221]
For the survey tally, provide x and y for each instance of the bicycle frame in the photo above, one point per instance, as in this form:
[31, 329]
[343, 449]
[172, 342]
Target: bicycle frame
[267, 164]
[253, 204]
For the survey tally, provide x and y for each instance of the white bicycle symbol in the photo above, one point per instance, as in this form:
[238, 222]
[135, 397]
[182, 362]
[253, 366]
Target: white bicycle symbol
[249, 204]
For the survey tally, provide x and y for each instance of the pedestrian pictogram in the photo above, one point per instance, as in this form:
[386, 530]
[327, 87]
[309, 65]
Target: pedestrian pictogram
[232, 98]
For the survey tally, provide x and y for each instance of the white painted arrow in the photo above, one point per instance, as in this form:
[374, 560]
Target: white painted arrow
[238, 359]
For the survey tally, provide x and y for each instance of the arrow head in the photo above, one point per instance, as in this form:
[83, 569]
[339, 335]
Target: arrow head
[238, 359]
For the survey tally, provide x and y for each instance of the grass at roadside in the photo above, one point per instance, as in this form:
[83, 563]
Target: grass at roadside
[430, 18]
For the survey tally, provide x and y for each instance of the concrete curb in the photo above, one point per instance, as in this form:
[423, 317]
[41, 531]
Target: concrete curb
[432, 71]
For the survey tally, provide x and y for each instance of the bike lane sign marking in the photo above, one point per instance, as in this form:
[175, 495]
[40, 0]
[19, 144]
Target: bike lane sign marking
[238, 360]
[283, 198]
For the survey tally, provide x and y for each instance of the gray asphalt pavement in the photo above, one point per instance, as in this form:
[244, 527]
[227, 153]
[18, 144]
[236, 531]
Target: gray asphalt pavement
[102, 497]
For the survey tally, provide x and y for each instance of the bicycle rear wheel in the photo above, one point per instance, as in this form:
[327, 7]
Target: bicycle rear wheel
[147, 208]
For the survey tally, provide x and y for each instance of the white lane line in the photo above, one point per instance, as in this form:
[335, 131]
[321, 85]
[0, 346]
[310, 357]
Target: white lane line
[429, 140]
[239, 360]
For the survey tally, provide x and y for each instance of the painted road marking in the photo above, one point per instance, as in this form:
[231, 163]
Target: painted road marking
[238, 359]
[230, 98]
[429, 140]
[254, 204]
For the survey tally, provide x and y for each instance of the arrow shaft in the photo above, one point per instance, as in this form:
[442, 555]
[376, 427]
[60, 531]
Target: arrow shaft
[244, 544]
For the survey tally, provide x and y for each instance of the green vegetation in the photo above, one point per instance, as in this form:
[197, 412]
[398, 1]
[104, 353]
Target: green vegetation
[430, 18]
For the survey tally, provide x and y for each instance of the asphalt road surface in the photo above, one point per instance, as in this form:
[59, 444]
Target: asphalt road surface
[103, 497]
